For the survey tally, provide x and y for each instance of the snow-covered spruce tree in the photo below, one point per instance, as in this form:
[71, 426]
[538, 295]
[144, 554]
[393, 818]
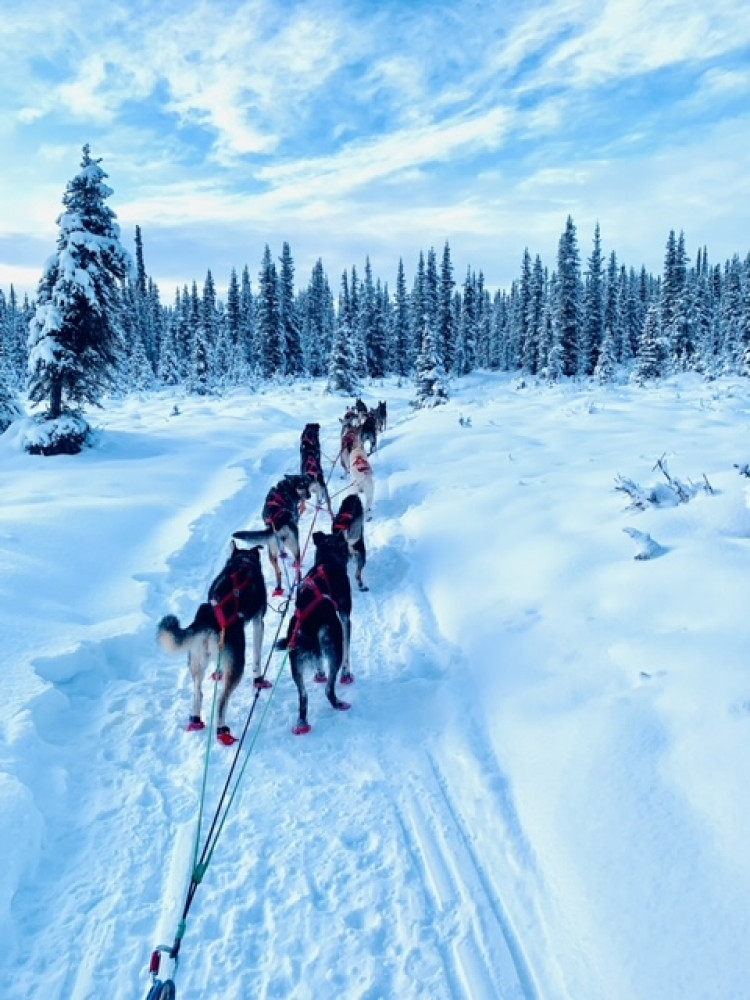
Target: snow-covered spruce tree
[74, 338]
[289, 319]
[341, 369]
[429, 379]
[10, 406]
[268, 345]
[568, 300]
[649, 362]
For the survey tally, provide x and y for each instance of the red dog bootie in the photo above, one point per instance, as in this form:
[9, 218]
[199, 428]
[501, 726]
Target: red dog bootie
[225, 737]
[261, 684]
[302, 728]
[195, 724]
[346, 679]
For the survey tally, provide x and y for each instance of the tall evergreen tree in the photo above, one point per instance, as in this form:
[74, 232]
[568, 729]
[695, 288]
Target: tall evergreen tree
[568, 305]
[268, 325]
[246, 341]
[75, 334]
[318, 322]
[289, 320]
[400, 325]
[446, 334]
[592, 326]
[649, 362]
[342, 376]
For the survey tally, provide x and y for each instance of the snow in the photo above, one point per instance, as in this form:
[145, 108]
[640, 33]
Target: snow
[541, 788]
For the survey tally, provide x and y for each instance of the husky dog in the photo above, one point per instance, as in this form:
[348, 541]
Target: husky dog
[310, 464]
[350, 523]
[360, 408]
[381, 416]
[368, 433]
[350, 438]
[320, 628]
[236, 596]
[362, 478]
[281, 512]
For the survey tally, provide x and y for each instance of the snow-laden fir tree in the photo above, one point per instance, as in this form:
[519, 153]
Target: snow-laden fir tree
[429, 378]
[568, 300]
[268, 345]
[592, 321]
[289, 319]
[75, 334]
[649, 361]
[318, 321]
[342, 376]
[400, 324]
[10, 406]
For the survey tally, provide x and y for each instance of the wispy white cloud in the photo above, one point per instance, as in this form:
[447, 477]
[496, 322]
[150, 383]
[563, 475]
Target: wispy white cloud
[400, 119]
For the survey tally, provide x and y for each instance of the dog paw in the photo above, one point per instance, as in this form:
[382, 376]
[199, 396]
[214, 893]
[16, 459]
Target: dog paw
[261, 684]
[320, 677]
[302, 728]
[195, 724]
[341, 706]
[224, 736]
[347, 678]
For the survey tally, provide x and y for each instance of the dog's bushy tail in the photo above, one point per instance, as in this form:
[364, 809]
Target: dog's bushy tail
[172, 637]
[259, 537]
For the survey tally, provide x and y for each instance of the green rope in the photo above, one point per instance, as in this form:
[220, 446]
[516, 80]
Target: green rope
[204, 781]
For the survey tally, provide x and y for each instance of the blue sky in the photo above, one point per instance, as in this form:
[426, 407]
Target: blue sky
[377, 127]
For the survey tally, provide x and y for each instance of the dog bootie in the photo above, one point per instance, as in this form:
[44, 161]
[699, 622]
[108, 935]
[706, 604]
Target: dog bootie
[302, 728]
[224, 736]
[195, 724]
[278, 592]
[342, 706]
[261, 684]
[347, 678]
[320, 677]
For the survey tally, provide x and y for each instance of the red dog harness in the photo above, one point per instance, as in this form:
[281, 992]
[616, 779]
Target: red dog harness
[318, 585]
[227, 610]
[361, 464]
[278, 507]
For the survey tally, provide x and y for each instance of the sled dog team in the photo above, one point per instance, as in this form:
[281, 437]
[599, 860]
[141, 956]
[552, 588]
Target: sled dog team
[319, 630]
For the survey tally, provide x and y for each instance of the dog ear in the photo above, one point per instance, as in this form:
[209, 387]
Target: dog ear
[233, 547]
[318, 537]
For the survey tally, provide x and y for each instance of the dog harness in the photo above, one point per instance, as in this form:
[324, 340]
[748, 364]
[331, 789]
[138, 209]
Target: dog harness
[343, 520]
[227, 608]
[312, 466]
[309, 440]
[278, 509]
[361, 464]
[313, 591]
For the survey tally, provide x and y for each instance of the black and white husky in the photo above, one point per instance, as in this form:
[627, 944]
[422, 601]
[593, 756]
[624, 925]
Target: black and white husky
[320, 628]
[281, 512]
[217, 633]
[350, 522]
[311, 465]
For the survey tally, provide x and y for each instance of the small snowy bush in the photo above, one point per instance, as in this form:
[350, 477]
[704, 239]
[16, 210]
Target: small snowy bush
[66, 435]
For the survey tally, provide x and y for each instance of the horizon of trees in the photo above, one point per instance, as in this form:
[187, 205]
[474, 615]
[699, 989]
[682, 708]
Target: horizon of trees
[594, 319]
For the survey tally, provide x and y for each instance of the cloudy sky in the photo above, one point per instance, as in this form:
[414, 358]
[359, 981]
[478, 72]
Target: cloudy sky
[355, 128]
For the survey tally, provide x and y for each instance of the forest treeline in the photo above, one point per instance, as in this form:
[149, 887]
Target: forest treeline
[588, 317]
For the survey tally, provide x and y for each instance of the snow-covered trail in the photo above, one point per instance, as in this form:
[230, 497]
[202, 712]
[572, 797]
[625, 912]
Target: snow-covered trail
[347, 866]
[539, 791]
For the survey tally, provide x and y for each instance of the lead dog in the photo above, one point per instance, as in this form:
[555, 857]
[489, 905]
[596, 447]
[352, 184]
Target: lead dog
[236, 596]
[320, 628]
[281, 512]
[310, 464]
[360, 471]
[350, 523]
